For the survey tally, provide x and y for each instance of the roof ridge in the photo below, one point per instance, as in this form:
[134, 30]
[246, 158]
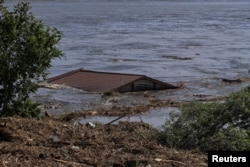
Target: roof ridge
[103, 72]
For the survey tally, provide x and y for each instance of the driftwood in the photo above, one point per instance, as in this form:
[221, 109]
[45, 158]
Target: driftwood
[177, 57]
[116, 119]
[173, 161]
[231, 80]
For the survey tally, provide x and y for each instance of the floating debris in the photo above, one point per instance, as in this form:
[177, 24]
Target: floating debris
[177, 57]
[231, 80]
[54, 144]
[52, 86]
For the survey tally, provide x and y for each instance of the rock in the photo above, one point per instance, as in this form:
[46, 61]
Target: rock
[90, 124]
[75, 148]
[54, 139]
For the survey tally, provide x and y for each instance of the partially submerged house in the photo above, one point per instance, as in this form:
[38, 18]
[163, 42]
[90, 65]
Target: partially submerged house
[95, 81]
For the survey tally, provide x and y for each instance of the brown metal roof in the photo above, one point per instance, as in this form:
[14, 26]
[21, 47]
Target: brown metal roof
[95, 81]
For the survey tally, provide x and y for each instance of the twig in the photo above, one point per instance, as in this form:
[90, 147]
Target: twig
[59, 160]
[4, 162]
[178, 162]
[162, 160]
[200, 164]
[116, 119]
[76, 163]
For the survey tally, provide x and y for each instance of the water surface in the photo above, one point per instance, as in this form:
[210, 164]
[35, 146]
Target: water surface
[195, 43]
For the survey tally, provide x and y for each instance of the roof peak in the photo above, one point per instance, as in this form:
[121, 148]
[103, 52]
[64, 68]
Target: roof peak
[106, 72]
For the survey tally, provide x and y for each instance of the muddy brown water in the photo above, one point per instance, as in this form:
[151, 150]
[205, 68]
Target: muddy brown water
[196, 43]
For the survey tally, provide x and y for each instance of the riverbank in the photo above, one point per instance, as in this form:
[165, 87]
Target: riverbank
[56, 142]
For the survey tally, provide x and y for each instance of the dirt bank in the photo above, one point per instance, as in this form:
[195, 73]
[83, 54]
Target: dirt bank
[50, 142]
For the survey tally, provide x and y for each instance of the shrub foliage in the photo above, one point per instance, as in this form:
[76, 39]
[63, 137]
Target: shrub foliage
[27, 47]
[23, 108]
[210, 126]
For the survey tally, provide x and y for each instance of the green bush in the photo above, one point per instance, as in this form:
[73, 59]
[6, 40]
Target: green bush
[25, 108]
[210, 126]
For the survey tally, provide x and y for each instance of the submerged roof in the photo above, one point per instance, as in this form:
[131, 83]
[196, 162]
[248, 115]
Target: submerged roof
[95, 81]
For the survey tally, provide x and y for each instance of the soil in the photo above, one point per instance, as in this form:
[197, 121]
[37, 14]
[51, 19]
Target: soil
[52, 141]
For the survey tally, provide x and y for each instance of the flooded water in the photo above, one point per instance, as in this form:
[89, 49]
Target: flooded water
[188, 42]
[156, 117]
